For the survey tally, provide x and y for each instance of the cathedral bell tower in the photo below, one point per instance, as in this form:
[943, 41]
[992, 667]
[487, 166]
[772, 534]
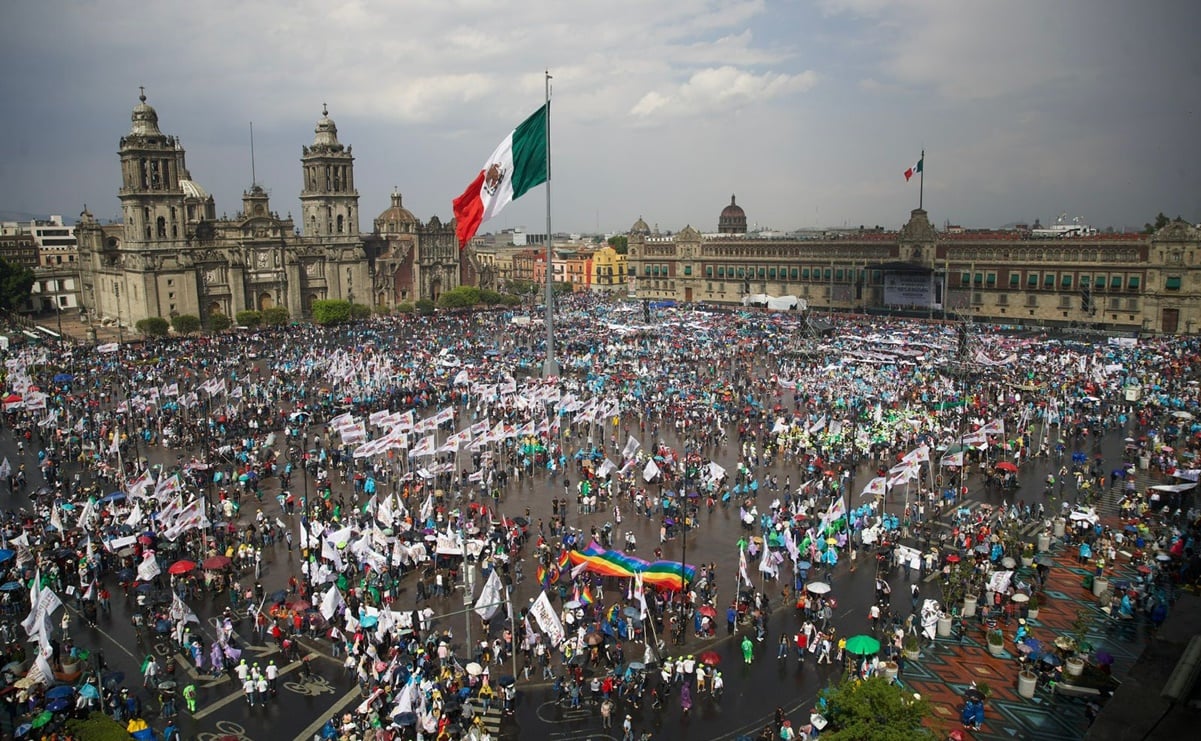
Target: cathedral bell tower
[329, 201]
[151, 195]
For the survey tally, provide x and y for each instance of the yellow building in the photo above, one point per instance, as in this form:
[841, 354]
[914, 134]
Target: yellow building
[608, 270]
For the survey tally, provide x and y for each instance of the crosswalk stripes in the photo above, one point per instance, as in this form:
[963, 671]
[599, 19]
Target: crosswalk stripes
[492, 719]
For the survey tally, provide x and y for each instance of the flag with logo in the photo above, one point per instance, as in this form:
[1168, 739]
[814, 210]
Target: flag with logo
[518, 164]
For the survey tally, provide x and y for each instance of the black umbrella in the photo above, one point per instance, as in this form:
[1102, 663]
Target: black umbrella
[279, 596]
[125, 575]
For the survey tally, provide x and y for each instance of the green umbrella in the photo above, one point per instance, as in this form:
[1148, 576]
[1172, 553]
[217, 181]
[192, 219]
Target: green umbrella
[862, 645]
[42, 719]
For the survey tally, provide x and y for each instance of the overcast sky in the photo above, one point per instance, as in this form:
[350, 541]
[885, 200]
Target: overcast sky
[808, 111]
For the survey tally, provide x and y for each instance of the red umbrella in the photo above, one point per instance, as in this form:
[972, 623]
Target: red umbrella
[953, 558]
[1007, 466]
[708, 611]
[181, 567]
[710, 658]
[299, 605]
[216, 562]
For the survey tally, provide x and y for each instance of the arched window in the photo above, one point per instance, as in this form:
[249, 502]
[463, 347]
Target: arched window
[340, 223]
[161, 224]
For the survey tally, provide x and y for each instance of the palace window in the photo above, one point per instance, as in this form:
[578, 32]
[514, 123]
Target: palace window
[1172, 283]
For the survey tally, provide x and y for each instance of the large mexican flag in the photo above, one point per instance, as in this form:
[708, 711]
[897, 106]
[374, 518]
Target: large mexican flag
[518, 164]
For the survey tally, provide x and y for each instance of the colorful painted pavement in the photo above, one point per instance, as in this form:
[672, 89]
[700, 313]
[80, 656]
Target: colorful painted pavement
[943, 674]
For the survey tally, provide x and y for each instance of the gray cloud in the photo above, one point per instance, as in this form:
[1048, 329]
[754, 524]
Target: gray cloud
[808, 111]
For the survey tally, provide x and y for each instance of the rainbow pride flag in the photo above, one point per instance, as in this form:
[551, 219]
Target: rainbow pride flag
[668, 575]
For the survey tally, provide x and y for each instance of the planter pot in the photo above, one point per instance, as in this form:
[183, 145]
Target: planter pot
[944, 626]
[1027, 682]
[969, 607]
[1074, 666]
[1027, 561]
[912, 655]
[890, 670]
[1032, 613]
[1059, 527]
[1044, 542]
[70, 667]
[996, 649]
[1100, 585]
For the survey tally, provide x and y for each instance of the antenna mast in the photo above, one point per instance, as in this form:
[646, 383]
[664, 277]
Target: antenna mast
[253, 180]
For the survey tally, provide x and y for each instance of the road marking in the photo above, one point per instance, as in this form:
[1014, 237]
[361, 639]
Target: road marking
[352, 695]
[238, 694]
[100, 630]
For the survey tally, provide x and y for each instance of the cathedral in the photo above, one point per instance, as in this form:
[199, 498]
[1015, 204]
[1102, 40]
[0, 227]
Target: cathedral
[171, 255]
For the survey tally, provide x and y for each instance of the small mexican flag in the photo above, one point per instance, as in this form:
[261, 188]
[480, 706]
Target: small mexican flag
[915, 169]
[518, 164]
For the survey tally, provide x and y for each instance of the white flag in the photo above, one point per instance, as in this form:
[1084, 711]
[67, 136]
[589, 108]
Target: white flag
[547, 620]
[490, 597]
[180, 610]
[330, 602]
[631, 447]
[650, 472]
[148, 568]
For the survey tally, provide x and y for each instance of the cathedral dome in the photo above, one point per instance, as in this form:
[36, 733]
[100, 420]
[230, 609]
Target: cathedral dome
[732, 219]
[326, 132]
[192, 189]
[396, 218]
[144, 119]
[640, 227]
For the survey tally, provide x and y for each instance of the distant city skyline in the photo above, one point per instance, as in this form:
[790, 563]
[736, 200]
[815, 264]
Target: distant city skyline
[809, 112]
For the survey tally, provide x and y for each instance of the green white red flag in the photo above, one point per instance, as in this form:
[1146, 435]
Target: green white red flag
[518, 164]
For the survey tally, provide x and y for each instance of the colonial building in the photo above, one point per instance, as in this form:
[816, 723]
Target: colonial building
[171, 255]
[412, 261]
[1124, 282]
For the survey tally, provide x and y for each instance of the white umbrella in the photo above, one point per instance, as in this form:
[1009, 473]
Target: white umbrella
[817, 587]
[474, 669]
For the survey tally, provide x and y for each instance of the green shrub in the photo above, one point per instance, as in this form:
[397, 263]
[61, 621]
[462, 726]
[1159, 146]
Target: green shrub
[97, 727]
[185, 323]
[154, 326]
[276, 316]
[405, 307]
[425, 306]
[249, 318]
[331, 311]
[219, 322]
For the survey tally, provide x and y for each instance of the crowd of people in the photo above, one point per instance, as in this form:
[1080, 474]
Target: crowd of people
[370, 471]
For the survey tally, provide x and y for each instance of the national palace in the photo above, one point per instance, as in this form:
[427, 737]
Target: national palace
[1115, 282]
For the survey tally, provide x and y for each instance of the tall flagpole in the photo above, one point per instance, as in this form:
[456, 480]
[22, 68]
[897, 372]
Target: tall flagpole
[551, 368]
[921, 177]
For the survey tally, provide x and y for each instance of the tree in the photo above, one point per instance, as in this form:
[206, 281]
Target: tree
[97, 727]
[462, 297]
[15, 284]
[153, 326]
[1161, 220]
[249, 318]
[331, 311]
[620, 243]
[405, 307]
[219, 322]
[185, 323]
[873, 709]
[360, 311]
[276, 316]
[425, 306]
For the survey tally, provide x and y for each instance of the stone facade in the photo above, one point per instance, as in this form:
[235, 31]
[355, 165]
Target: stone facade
[1123, 282]
[171, 255]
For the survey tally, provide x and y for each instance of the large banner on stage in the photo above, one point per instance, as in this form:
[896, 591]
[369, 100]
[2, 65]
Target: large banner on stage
[911, 289]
